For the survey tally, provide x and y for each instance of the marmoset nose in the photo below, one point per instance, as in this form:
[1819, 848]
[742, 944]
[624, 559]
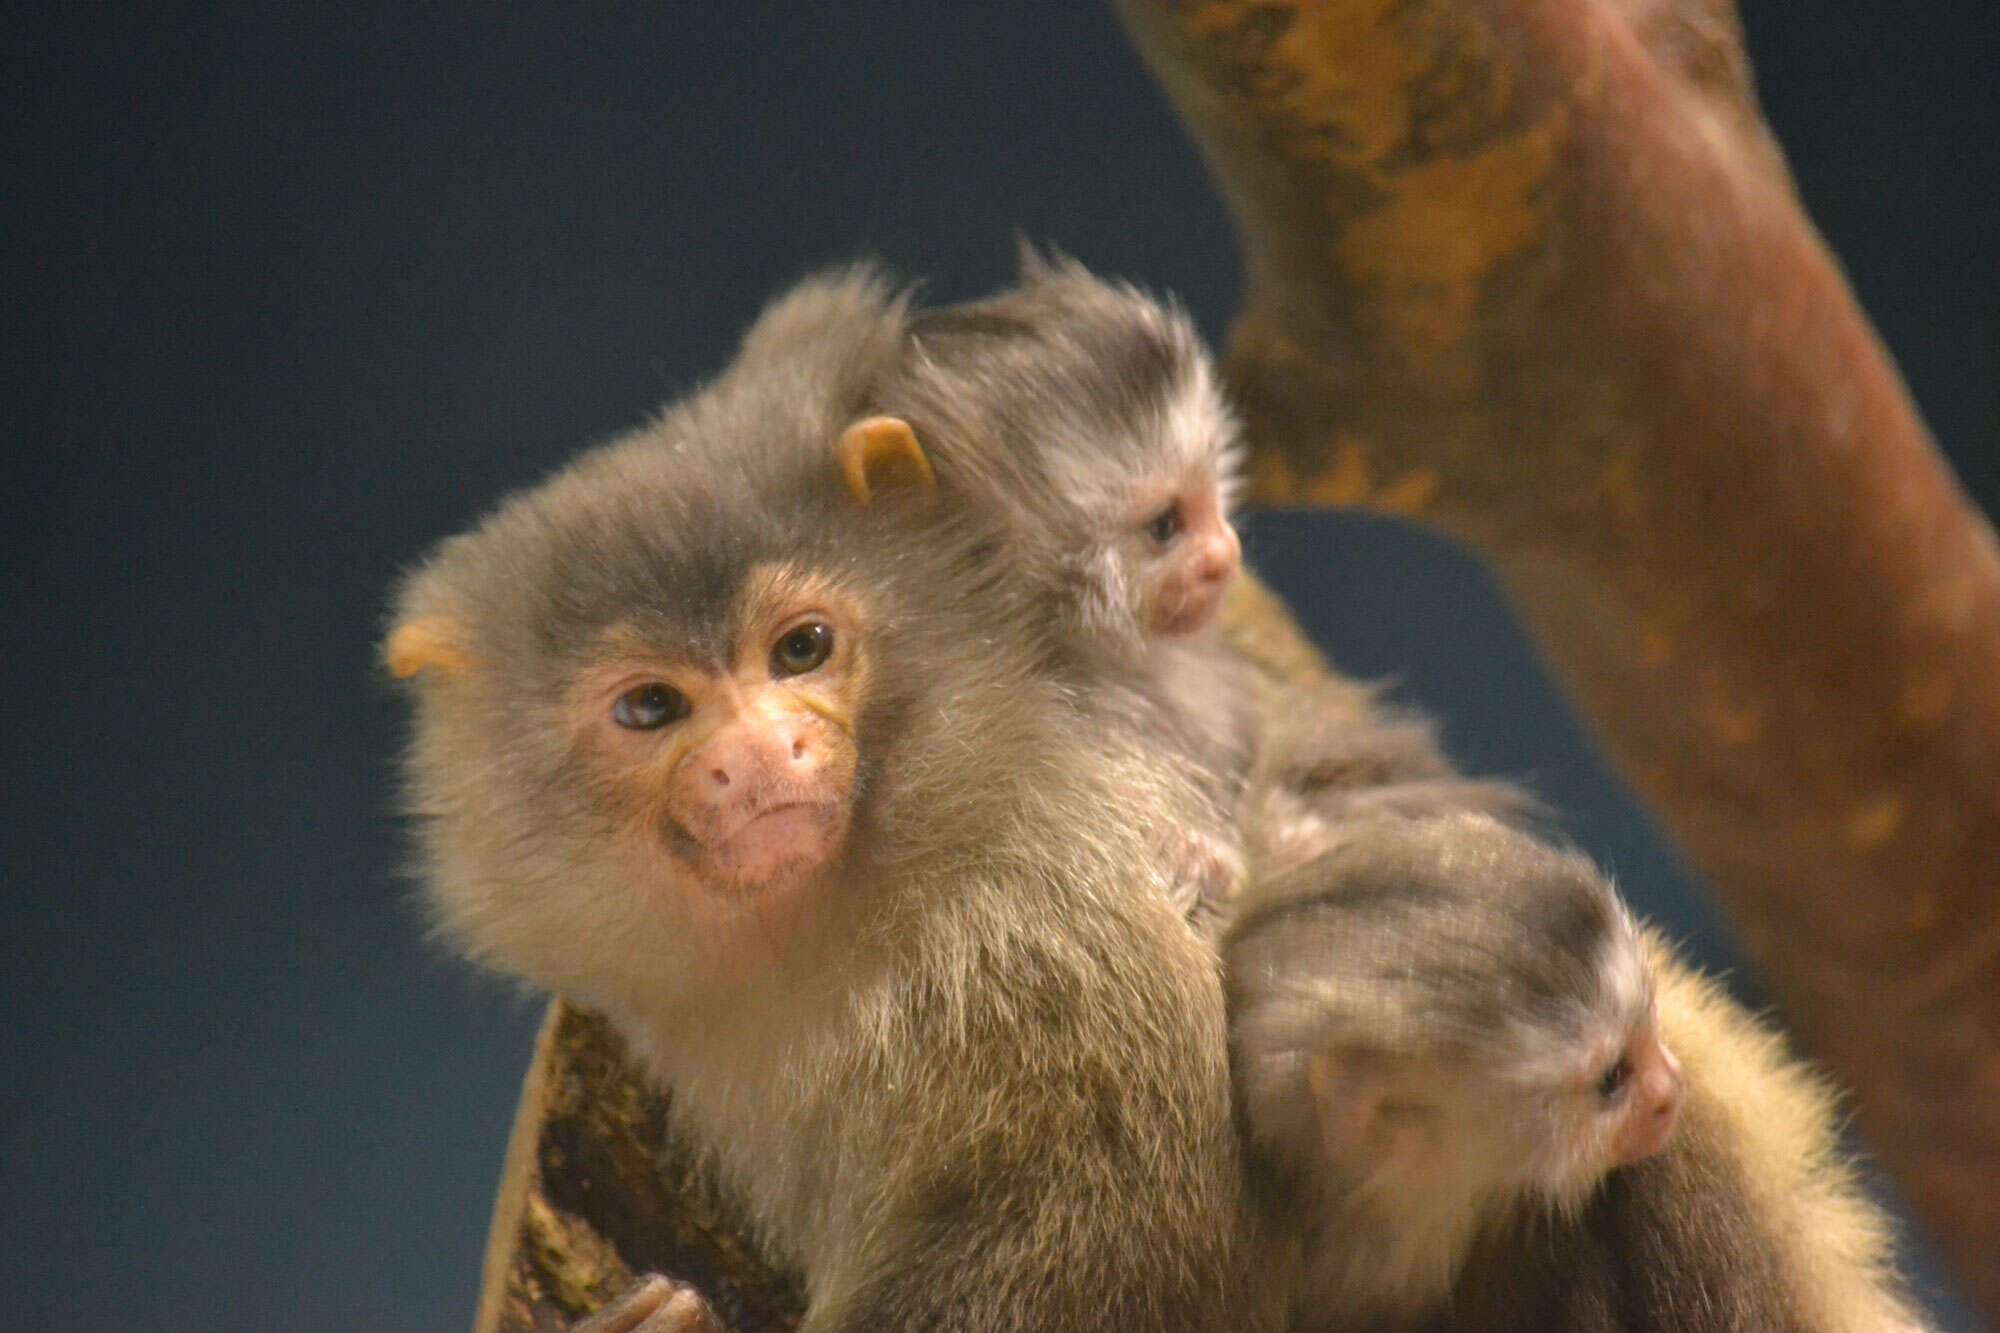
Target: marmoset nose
[775, 751]
[1219, 555]
[1653, 1100]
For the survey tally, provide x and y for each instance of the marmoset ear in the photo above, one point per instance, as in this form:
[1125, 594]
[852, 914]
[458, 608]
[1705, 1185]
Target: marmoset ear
[882, 452]
[1347, 1099]
[427, 641]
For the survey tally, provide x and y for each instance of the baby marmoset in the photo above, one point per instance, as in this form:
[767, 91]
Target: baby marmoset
[1481, 1019]
[1455, 1058]
[1087, 417]
[1439, 1026]
[804, 795]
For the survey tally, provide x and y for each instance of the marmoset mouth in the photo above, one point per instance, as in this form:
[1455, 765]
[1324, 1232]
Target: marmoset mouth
[776, 843]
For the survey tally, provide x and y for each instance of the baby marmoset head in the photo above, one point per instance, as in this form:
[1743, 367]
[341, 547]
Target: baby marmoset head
[1089, 415]
[1439, 1023]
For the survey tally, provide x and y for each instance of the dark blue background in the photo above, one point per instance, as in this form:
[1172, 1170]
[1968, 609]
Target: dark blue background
[292, 293]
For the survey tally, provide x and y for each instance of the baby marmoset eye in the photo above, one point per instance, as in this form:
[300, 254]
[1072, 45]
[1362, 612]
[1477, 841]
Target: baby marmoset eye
[1611, 1085]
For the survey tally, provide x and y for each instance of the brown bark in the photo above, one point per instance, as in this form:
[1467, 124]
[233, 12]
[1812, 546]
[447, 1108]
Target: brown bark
[595, 1192]
[1535, 273]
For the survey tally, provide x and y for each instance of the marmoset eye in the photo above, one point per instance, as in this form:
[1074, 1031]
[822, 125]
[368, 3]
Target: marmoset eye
[649, 707]
[802, 649]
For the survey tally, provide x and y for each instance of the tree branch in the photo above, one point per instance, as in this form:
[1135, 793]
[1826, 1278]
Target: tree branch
[1536, 273]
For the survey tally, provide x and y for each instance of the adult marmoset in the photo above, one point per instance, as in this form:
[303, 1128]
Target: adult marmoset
[804, 796]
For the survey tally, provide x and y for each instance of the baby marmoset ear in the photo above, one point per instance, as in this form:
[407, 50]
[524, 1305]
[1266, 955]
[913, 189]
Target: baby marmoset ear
[878, 453]
[1362, 1122]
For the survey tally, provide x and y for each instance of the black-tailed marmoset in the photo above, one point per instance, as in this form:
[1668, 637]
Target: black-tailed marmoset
[806, 797]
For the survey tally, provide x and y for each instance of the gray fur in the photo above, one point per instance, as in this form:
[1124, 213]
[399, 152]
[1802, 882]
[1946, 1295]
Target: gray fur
[1454, 962]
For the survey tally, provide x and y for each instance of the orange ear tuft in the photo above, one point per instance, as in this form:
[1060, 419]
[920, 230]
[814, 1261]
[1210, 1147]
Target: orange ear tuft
[429, 642]
[882, 451]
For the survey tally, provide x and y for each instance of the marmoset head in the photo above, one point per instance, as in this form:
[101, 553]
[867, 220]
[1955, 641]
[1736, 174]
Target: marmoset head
[668, 689]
